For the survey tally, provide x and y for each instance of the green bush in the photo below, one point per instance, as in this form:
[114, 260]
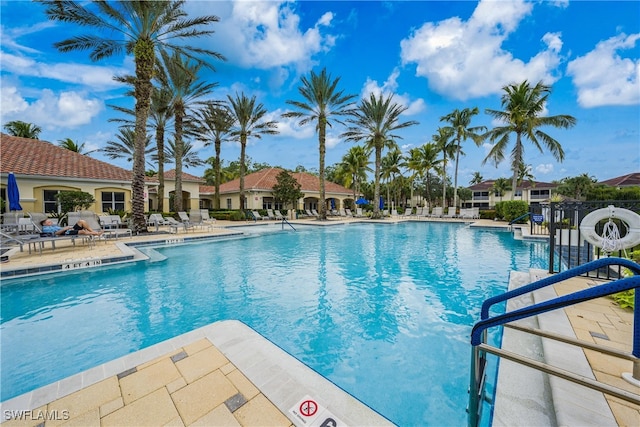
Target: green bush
[512, 209]
[488, 214]
[236, 216]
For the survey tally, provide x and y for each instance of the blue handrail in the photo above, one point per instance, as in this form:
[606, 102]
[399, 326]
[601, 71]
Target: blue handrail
[520, 217]
[285, 220]
[576, 271]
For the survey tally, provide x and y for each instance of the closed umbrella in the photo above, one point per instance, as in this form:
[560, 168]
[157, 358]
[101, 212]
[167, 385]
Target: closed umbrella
[13, 193]
[381, 203]
[333, 204]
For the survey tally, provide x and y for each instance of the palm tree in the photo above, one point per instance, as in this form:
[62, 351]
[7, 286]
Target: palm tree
[322, 104]
[160, 116]
[476, 179]
[501, 186]
[140, 28]
[70, 145]
[447, 146]
[422, 160]
[248, 121]
[215, 122]
[522, 106]
[355, 165]
[189, 156]
[124, 148]
[390, 167]
[374, 122]
[460, 128]
[23, 129]
[179, 77]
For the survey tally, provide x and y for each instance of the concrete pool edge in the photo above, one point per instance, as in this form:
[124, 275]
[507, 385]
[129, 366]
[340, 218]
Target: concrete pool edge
[282, 378]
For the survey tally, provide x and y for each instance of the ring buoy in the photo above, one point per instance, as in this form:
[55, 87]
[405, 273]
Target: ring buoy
[630, 218]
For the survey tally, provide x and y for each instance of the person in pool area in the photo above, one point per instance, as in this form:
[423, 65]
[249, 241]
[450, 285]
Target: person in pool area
[81, 227]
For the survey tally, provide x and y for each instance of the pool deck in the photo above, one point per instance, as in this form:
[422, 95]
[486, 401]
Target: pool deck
[227, 374]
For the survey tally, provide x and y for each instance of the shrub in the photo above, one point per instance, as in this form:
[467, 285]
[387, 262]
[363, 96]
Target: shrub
[488, 214]
[512, 209]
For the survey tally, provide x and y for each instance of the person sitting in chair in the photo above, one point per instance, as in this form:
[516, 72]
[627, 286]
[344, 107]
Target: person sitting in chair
[81, 227]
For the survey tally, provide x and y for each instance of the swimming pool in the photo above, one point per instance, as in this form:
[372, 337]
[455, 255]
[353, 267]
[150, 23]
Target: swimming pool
[384, 311]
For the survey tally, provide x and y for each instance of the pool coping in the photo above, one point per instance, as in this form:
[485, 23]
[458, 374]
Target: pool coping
[282, 378]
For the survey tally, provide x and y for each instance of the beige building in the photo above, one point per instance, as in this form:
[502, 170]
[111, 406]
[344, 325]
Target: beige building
[531, 192]
[42, 170]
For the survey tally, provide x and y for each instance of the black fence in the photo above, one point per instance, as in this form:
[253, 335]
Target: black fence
[567, 247]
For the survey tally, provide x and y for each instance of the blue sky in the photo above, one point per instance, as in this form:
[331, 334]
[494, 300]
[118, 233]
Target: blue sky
[434, 56]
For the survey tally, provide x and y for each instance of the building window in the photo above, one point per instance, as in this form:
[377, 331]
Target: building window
[228, 203]
[518, 193]
[50, 201]
[112, 200]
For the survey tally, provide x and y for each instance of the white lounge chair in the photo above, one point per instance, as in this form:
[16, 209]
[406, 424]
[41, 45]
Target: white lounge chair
[175, 225]
[156, 220]
[359, 213]
[204, 213]
[270, 214]
[278, 215]
[257, 216]
[437, 212]
[348, 212]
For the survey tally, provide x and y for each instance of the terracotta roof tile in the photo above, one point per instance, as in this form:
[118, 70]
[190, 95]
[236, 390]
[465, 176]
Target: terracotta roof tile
[25, 156]
[624, 180]
[265, 179]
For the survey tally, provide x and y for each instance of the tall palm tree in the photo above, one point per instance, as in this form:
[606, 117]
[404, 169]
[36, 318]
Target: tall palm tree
[189, 155]
[460, 121]
[323, 103]
[124, 147]
[390, 169]
[23, 129]
[355, 165]
[179, 76]
[522, 108]
[160, 116]
[422, 161]
[140, 28]
[447, 146]
[476, 179]
[215, 123]
[248, 122]
[71, 145]
[374, 122]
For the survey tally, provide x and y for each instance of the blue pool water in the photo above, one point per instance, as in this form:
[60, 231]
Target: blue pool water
[384, 311]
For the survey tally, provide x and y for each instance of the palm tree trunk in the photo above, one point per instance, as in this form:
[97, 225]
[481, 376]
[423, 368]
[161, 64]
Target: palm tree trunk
[322, 128]
[455, 177]
[444, 186]
[160, 146]
[517, 159]
[145, 61]
[177, 200]
[243, 145]
[376, 186]
[216, 200]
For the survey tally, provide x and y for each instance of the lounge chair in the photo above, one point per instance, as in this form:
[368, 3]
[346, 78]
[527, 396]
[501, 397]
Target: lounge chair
[437, 212]
[348, 212]
[342, 212]
[204, 213]
[408, 212]
[451, 213]
[359, 213]
[156, 220]
[195, 219]
[315, 213]
[385, 213]
[176, 225]
[42, 238]
[270, 214]
[278, 215]
[112, 225]
[257, 216]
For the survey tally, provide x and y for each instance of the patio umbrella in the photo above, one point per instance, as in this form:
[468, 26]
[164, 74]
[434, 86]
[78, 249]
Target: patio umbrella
[381, 203]
[13, 193]
[333, 204]
[361, 201]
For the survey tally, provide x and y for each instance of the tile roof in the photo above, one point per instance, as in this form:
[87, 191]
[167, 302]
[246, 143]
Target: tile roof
[265, 179]
[170, 175]
[488, 184]
[25, 156]
[624, 180]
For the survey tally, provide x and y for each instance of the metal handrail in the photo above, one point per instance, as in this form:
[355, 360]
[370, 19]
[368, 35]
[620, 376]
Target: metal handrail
[479, 335]
[285, 220]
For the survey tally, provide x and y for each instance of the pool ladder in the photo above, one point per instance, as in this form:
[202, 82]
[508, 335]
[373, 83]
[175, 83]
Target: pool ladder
[480, 348]
[284, 220]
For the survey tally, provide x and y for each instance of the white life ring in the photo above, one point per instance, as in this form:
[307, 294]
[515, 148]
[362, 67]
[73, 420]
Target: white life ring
[630, 218]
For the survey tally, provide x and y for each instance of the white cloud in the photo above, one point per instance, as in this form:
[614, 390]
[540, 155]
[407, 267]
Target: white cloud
[465, 59]
[93, 76]
[544, 168]
[389, 87]
[603, 77]
[11, 102]
[268, 35]
[66, 110]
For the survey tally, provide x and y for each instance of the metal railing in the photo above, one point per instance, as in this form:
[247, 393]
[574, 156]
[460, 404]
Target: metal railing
[284, 221]
[481, 348]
